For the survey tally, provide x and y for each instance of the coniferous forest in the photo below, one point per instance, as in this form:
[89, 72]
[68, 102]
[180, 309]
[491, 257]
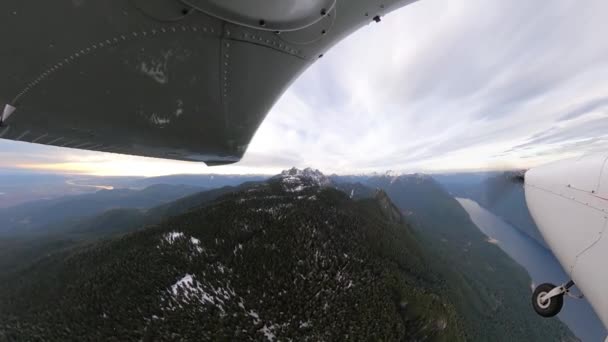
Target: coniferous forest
[292, 258]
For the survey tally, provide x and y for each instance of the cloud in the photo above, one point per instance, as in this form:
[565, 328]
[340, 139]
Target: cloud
[437, 80]
[436, 85]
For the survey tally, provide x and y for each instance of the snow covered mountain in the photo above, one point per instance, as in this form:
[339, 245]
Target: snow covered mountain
[294, 179]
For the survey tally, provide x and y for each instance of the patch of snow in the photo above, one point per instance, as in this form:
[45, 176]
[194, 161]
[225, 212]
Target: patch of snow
[197, 244]
[268, 331]
[297, 188]
[186, 282]
[174, 236]
[306, 324]
[352, 193]
[275, 210]
[253, 314]
[171, 237]
[188, 289]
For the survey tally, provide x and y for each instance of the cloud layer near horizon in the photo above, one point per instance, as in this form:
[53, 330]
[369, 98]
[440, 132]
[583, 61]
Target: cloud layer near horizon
[437, 85]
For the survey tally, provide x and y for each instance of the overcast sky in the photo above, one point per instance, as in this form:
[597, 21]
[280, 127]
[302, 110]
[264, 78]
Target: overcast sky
[437, 85]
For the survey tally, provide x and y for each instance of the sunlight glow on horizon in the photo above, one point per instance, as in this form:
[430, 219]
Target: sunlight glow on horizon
[472, 160]
[136, 168]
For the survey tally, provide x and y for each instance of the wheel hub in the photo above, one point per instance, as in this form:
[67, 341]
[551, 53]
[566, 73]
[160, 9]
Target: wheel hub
[543, 303]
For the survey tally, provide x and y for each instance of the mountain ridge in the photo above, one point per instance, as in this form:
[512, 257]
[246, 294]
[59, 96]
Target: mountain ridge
[326, 268]
[439, 253]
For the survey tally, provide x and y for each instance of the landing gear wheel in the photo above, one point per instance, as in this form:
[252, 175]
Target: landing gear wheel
[549, 307]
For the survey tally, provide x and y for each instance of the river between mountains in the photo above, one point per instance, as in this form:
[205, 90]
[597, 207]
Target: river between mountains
[541, 266]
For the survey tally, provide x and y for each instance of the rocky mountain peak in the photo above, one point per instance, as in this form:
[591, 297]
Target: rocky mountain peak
[295, 179]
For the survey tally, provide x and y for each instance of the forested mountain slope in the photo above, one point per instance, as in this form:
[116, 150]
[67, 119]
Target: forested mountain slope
[286, 259]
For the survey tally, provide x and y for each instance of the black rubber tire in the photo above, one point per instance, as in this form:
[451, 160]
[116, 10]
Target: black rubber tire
[555, 304]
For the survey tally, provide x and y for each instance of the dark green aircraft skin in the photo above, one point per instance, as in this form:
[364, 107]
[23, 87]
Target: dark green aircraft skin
[156, 78]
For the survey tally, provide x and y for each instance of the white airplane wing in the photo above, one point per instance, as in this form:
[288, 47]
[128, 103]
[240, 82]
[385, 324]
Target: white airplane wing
[186, 80]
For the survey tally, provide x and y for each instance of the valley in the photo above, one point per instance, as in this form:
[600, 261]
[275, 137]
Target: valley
[299, 256]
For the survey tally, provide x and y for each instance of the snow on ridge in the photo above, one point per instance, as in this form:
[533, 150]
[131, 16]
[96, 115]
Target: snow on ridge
[189, 288]
[295, 176]
[268, 331]
[397, 176]
[171, 237]
[253, 314]
[197, 244]
[298, 188]
[186, 282]
[274, 210]
[174, 236]
[306, 324]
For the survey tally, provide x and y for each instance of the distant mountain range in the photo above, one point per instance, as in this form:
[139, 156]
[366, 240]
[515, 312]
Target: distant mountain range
[38, 216]
[209, 181]
[20, 186]
[299, 256]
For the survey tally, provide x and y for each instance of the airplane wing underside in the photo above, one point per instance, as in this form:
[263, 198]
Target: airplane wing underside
[186, 80]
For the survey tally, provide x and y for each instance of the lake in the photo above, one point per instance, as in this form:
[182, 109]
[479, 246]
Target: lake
[541, 266]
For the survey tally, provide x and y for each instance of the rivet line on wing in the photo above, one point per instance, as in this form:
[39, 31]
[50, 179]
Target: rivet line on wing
[135, 35]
